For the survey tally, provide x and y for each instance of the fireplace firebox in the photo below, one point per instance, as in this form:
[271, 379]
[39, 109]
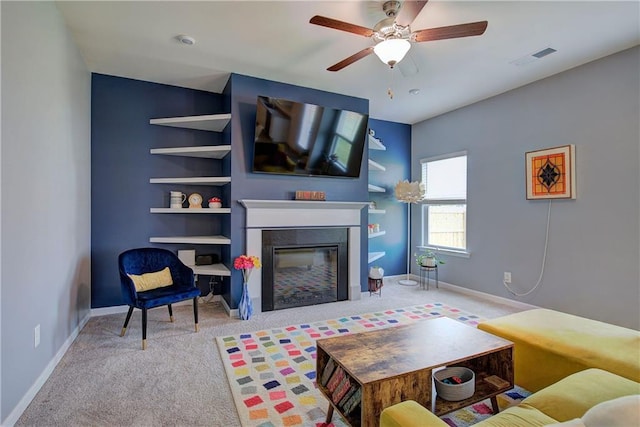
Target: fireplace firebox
[305, 266]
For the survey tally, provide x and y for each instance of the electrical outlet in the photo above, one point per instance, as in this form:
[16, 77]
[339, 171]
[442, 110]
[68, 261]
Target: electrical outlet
[507, 277]
[36, 336]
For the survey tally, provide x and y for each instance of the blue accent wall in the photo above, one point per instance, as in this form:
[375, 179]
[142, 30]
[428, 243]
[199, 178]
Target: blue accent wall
[396, 137]
[246, 185]
[121, 166]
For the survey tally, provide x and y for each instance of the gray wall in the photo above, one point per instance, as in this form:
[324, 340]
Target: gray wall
[593, 254]
[45, 195]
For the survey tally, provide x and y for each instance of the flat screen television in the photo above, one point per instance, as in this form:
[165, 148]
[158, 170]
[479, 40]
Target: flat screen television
[294, 138]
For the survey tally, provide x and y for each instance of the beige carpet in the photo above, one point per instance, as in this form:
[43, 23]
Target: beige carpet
[106, 380]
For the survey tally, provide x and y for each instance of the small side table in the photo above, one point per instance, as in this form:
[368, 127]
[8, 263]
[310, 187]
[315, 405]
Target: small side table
[425, 272]
[375, 286]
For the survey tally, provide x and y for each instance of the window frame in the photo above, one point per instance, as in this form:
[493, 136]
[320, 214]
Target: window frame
[425, 203]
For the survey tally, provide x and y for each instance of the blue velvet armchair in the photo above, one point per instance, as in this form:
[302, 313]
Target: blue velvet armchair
[151, 260]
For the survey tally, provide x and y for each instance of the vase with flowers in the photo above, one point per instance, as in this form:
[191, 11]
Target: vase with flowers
[246, 264]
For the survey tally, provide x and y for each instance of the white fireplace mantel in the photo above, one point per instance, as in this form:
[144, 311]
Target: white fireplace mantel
[298, 204]
[265, 214]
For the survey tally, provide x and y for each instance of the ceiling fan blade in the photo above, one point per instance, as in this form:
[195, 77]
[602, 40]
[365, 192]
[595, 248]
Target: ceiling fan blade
[350, 60]
[340, 25]
[409, 11]
[450, 32]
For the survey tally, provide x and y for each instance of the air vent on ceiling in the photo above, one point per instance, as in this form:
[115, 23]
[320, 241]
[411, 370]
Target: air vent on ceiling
[531, 57]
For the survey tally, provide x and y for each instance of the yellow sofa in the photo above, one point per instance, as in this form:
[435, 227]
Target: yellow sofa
[565, 401]
[549, 345]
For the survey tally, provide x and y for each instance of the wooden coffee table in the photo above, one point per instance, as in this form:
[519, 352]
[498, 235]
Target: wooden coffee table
[395, 364]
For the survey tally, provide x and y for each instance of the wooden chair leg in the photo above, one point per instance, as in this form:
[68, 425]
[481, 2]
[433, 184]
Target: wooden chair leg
[144, 328]
[126, 321]
[195, 312]
[170, 313]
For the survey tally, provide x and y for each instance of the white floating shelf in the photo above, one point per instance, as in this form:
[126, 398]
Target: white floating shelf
[376, 189]
[206, 180]
[375, 166]
[210, 122]
[377, 211]
[206, 152]
[191, 210]
[195, 240]
[375, 255]
[378, 234]
[375, 144]
[211, 270]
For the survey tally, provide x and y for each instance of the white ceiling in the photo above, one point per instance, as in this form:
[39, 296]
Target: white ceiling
[274, 40]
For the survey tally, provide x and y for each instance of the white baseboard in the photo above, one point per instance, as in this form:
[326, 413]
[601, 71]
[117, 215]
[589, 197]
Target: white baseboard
[471, 292]
[119, 309]
[15, 415]
[230, 312]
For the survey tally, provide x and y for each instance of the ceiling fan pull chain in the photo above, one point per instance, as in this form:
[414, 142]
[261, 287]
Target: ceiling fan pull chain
[390, 90]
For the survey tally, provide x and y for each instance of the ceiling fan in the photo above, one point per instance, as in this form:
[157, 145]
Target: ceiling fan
[393, 34]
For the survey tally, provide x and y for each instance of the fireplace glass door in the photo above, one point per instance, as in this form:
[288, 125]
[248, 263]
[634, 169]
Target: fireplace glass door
[305, 276]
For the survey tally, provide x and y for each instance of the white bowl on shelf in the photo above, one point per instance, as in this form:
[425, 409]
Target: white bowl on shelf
[455, 392]
[215, 205]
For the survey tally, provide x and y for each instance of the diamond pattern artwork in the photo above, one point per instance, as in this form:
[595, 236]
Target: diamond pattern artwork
[551, 173]
[272, 372]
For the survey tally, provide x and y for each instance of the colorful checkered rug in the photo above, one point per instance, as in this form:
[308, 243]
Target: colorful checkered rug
[272, 372]
[473, 414]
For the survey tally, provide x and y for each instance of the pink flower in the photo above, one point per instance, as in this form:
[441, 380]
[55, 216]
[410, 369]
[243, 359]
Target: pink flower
[246, 263]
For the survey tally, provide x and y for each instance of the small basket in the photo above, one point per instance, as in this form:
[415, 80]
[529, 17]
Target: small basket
[455, 392]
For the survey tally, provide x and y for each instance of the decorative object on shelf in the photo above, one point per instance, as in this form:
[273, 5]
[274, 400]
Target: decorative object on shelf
[310, 195]
[176, 199]
[246, 264]
[551, 173]
[455, 383]
[409, 192]
[428, 258]
[372, 204]
[215, 203]
[195, 201]
[207, 259]
[373, 228]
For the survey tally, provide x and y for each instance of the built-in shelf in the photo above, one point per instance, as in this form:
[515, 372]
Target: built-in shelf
[205, 152]
[194, 240]
[191, 210]
[375, 255]
[376, 189]
[377, 211]
[211, 270]
[377, 234]
[210, 122]
[375, 144]
[375, 166]
[206, 180]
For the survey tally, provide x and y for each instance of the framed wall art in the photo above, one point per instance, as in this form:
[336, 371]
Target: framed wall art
[551, 173]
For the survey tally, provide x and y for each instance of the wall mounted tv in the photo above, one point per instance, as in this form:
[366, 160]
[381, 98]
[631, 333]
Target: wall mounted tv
[295, 138]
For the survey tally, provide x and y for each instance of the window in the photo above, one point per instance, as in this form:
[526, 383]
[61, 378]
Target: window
[444, 210]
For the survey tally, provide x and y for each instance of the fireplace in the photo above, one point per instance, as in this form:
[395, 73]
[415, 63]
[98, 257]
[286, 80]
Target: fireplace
[289, 215]
[304, 267]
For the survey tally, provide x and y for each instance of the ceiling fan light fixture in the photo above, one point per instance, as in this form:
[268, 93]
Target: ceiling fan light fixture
[391, 51]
